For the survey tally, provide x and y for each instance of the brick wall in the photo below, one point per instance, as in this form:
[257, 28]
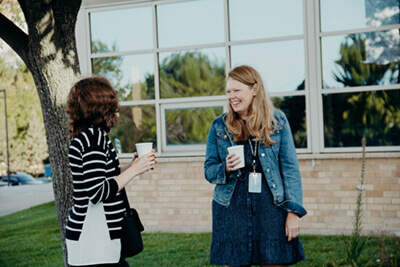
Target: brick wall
[176, 198]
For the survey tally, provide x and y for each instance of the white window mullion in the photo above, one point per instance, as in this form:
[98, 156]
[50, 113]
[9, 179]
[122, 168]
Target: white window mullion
[157, 80]
[121, 53]
[362, 30]
[227, 38]
[313, 99]
[307, 82]
[352, 149]
[163, 129]
[268, 40]
[358, 89]
[82, 36]
[289, 93]
[318, 64]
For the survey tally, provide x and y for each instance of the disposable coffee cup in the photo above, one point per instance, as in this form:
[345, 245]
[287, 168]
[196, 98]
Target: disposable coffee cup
[143, 148]
[239, 151]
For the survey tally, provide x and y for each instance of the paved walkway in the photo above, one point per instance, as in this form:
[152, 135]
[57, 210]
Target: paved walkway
[16, 198]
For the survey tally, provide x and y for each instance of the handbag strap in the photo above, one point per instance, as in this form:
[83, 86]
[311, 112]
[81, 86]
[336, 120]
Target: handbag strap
[126, 201]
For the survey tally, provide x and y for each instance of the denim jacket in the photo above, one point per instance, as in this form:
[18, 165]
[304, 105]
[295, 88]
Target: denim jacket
[278, 161]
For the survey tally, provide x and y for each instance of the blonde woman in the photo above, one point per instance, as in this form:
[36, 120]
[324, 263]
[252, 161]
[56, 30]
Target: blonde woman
[256, 209]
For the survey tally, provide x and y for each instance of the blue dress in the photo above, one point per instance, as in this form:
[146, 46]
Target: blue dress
[251, 230]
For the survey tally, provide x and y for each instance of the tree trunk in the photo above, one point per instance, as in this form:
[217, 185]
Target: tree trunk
[49, 51]
[56, 122]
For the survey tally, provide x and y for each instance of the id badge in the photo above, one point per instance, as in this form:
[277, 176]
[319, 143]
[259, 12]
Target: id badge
[255, 182]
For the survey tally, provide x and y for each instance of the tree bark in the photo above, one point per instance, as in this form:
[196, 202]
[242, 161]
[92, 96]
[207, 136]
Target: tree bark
[49, 51]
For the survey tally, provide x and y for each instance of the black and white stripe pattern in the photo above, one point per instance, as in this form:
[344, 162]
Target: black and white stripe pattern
[94, 165]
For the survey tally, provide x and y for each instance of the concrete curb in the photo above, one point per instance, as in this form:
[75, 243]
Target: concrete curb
[16, 198]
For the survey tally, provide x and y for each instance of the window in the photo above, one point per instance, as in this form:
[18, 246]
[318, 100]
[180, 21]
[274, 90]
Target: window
[188, 124]
[260, 19]
[190, 23]
[127, 29]
[191, 73]
[360, 54]
[331, 65]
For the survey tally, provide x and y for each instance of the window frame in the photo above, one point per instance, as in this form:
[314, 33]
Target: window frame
[184, 105]
[321, 91]
[313, 91]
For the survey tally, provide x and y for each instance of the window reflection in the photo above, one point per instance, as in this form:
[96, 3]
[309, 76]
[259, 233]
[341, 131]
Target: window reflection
[125, 29]
[361, 59]
[192, 73]
[280, 64]
[190, 23]
[344, 14]
[132, 76]
[294, 108]
[137, 124]
[348, 117]
[254, 19]
[190, 125]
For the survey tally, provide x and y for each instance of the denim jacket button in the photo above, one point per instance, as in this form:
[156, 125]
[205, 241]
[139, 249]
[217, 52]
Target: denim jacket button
[237, 175]
[273, 185]
[268, 170]
[262, 155]
[224, 136]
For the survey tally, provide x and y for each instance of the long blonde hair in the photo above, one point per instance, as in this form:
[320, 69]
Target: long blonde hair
[261, 111]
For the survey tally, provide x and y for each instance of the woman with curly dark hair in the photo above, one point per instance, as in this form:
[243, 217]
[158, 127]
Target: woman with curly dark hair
[93, 229]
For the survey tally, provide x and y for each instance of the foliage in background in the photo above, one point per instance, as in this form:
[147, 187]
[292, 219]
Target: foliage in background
[354, 245]
[190, 125]
[185, 74]
[49, 52]
[191, 74]
[31, 238]
[27, 140]
[347, 117]
[354, 72]
[107, 66]
[12, 10]
[294, 108]
[373, 114]
[137, 124]
[182, 74]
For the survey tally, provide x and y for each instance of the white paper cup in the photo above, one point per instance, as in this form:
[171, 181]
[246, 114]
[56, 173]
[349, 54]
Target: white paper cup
[239, 151]
[143, 148]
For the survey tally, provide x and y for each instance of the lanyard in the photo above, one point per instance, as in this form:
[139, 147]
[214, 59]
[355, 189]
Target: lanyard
[254, 154]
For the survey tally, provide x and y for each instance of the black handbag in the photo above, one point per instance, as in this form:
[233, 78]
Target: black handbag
[131, 238]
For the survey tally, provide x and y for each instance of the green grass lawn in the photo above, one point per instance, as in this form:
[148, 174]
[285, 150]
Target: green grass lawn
[31, 238]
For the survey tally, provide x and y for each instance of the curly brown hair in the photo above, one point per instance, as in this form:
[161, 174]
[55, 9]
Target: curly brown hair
[92, 101]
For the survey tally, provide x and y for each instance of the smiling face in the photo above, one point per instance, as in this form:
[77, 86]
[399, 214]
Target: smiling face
[240, 97]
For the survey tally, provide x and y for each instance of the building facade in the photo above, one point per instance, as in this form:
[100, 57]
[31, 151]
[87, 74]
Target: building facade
[331, 66]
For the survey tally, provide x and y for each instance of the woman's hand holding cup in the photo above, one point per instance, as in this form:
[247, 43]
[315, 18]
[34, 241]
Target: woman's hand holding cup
[235, 158]
[231, 162]
[145, 163]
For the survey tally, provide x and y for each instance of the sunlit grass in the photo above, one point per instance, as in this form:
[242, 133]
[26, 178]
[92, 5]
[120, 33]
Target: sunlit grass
[31, 238]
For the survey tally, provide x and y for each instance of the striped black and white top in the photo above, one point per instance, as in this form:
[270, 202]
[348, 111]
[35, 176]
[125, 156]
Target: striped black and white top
[94, 165]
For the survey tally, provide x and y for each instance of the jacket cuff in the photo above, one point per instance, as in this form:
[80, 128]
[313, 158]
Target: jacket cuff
[291, 206]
